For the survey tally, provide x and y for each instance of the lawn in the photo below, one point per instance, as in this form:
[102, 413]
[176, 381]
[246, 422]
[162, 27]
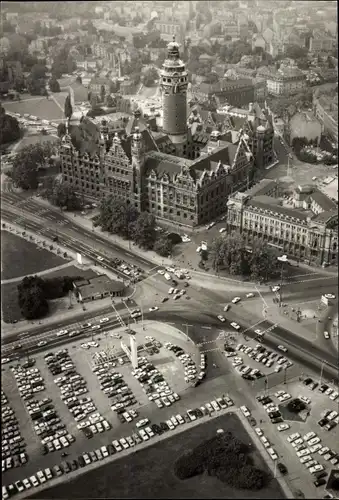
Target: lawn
[21, 257]
[149, 473]
[9, 292]
[43, 108]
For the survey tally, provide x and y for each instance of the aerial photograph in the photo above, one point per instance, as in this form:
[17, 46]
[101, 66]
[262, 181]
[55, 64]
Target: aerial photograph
[169, 249]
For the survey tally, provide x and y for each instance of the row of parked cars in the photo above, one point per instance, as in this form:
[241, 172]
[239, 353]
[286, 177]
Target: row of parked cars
[329, 419]
[153, 383]
[13, 446]
[262, 355]
[113, 385]
[28, 380]
[144, 432]
[72, 388]
[305, 447]
[190, 368]
[129, 270]
[271, 409]
[323, 388]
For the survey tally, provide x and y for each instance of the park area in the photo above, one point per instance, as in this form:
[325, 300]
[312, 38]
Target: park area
[45, 109]
[149, 473]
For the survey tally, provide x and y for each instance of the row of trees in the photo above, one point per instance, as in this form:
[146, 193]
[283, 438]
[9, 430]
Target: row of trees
[224, 457]
[61, 194]
[27, 163]
[9, 126]
[229, 253]
[35, 292]
[121, 218]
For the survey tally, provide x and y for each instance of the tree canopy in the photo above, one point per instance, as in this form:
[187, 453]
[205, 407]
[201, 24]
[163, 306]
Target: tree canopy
[229, 253]
[54, 85]
[27, 163]
[117, 217]
[62, 194]
[163, 246]
[31, 300]
[143, 231]
[9, 126]
[68, 110]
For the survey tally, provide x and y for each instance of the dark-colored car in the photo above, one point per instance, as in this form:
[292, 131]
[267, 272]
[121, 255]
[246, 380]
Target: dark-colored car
[164, 426]
[323, 388]
[66, 467]
[111, 450]
[319, 482]
[277, 420]
[252, 421]
[74, 465]
[81, 461]
[307, 381]
[282, 468]
[323, 422]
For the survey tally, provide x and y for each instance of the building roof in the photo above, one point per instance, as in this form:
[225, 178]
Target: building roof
[323, 201]
[273, 204]
[325, 216]
[163, 163]
[100, 284]
[261, 187]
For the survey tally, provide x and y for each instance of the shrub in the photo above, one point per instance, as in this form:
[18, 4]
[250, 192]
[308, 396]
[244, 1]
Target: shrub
[295, 406]
[225, 457]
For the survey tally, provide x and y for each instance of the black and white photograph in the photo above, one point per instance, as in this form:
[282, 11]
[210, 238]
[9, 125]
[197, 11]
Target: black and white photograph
[169, 249]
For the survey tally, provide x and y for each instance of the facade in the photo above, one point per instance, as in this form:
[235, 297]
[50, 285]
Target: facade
[326, 110]
[97, 83]
[308, 231]
[286, 82]
[168, 29]
[321, 41]
[169, 173]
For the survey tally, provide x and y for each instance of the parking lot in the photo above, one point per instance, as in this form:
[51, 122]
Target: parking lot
[72, 393]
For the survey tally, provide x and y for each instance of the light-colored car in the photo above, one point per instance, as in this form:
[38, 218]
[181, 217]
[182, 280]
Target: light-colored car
[329, 296]
[283, 427]
[103, 320]
[316, 468]
[245, 411]
[221, 318]
[154, 308]
[235, 325]
[236, 300]
[258, 431]
[275, 288]
[26, 484]
[249, 295]
[282, 348]
[142, 423]
[34, 481]
[100, 259]
[326, 334]
[303, 453]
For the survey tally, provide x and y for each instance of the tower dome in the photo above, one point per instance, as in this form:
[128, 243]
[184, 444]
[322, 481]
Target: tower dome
[173, 86]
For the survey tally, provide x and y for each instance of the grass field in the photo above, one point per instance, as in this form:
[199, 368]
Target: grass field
[9, 293]
[43, 108]
[21, 257]
[149, 473]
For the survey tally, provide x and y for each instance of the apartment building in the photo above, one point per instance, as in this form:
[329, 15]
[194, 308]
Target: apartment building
[286, 82]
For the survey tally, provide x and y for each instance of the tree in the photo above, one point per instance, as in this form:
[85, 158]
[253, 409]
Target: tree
[150, 76]
[296, 52]
[61, 129]
[9, 126]
[31, 298]
[143, 231]
[263, 262]
[110, 101]
[27, 163]
[116, 216]
[230, 254]
[54, 85]
[163, 246]
[38, 72]
[62, 194]
[102, 93]
[68, 108]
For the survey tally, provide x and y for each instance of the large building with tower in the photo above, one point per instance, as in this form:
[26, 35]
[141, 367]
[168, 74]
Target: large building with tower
[179, 174]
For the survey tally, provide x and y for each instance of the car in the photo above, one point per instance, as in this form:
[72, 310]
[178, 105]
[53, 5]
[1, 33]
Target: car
[62, 332]
[96, 327]
[26, 483]
[259, 431]
[19, 486]
[142, 423]
[316, 468]
[103, 320]
[319, 482]
[282, 348]
[283, 427]
[34, 481]
[236, 300]
[245, 411]
[326, 334]
[221, 318]
[154, 308]
[329, 295]
[249, 295]
[275, 288]
[100, 259]
[282, 468]
[117, 445]
[41, 343]
[235, 325]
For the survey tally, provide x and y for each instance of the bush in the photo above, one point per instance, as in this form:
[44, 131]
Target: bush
[295, 406]
[225, 457]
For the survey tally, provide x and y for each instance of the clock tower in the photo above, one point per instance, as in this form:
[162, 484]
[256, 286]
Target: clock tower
[173, 86]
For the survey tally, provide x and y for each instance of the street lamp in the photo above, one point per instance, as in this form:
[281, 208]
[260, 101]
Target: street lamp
[283, 259]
